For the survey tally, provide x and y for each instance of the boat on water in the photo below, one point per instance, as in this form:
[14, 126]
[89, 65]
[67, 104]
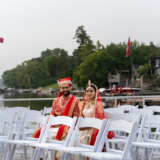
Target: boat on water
[119, 90]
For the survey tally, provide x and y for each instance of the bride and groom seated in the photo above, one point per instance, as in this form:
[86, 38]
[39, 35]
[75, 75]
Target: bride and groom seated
[68, 105]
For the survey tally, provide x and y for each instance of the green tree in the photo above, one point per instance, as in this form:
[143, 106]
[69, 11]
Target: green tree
[45, 54]
[51, 65]
[81, 36]
[87, 49]
[144, 70]
[57, 51]
[62, 65]
[33, 70]
[95, 67]
[98, 46]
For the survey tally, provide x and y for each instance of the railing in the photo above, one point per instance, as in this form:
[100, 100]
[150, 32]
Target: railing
[115, 98]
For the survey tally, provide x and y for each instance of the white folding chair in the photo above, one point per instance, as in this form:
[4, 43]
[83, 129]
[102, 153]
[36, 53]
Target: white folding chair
[83, 122]
[6, 118]
[26, 141]
[148, 142]
[118, 137]
[143, 112]
[128, 107]
[119, 125]
[47, 110]
[155, 108]
[27, 129]
[2, 124]
[109, 115]
[15, 110]
[63, 120]
[114, 110]
[26, 125]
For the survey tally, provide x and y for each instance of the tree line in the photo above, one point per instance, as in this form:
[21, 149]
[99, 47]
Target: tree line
[88, 61]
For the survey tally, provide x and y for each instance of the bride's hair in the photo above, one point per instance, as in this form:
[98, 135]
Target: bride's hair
[92, 85]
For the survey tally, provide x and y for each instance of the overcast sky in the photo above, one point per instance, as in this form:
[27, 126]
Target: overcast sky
[31, 26]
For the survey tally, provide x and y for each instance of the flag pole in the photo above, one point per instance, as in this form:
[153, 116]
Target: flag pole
[131, 66]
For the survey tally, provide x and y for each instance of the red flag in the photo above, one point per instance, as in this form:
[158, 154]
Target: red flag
[1, 40]
[128, 48]
[28, 79]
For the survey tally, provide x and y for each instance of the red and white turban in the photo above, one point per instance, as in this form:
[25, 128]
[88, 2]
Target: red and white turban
[65, 81]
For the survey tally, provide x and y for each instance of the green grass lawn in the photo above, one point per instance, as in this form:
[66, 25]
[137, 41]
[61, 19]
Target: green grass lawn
[54, 86]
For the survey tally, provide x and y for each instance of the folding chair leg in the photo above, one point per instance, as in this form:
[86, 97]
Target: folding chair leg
[135, 154]
[47, 154]
[67, 156]
[63, 155]
[33, 151]
[146, 153]
[38, 154]
[151, 156]
[2, 147]
[12, 152]
[5, 152]
[52, 156]
[44, 155]
[80, 157]
[25, 152]
[71, 157]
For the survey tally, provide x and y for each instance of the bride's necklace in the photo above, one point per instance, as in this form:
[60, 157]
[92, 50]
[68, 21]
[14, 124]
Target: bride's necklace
[63, 106]
[89, 104]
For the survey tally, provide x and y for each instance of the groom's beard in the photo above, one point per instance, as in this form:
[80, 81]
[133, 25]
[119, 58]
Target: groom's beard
[65, 93]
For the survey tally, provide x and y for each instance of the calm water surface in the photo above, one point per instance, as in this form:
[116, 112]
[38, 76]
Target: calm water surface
[34, 105]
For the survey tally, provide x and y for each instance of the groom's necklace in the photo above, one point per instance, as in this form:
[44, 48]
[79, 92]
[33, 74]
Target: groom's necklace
[62, 106]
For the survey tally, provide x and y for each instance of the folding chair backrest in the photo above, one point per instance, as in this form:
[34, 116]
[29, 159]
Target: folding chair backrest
[28, 112]
[60, 120]
[128, 107]
[114, 110]
[47, 110]
[7, 118]
[149, 121]
[15, 109]
[128, 117]
[88, 122]
[32, 119]
[119, 125]
[109, 115]
[3, 112]
[142, 111]
[155, 108]
[1, 122]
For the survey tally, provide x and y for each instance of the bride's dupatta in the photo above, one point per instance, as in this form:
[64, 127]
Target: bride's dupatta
[99, 113]
[63, 130]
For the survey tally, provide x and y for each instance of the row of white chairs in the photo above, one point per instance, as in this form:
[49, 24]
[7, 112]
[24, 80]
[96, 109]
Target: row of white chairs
[67, 147]
[19, 112]
[129, 125]
[122, 117]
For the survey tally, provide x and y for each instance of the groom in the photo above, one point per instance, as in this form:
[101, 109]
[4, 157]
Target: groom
[64, 105]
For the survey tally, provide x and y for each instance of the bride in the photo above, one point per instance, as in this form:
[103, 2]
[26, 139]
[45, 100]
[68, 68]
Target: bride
[90, 107]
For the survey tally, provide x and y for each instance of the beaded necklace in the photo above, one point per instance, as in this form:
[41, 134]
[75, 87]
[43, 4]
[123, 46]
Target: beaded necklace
[63, 106]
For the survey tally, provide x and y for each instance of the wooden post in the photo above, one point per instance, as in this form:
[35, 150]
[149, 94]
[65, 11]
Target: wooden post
[141, 83]
[126, 83]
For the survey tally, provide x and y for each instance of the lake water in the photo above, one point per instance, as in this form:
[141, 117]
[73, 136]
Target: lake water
[38, 105]
[34, 105]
